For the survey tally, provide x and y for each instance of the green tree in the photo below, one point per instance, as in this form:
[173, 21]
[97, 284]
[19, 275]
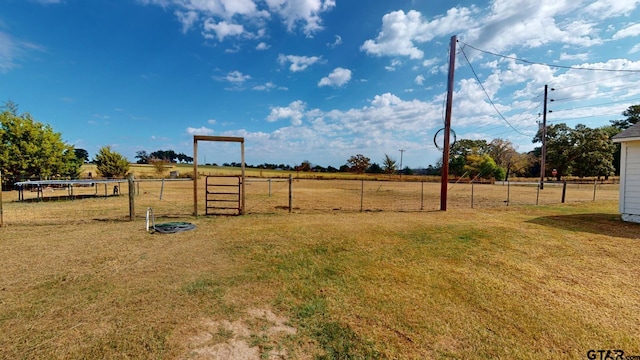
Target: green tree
[374, 169]
[483, 166]
[143, 157]
[389, 164]
[81, 155]
[111, 164]
[30, 149]
[592, 153]
[358, 163]
[581, 151]
[559, 156]
[459, 151]
[633, 116]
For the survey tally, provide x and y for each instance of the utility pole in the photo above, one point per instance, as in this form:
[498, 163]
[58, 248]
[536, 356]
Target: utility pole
[401, 152]
[543, 159]
[444, 179]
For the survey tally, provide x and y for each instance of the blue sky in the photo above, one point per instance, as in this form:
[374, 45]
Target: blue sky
[316, 80]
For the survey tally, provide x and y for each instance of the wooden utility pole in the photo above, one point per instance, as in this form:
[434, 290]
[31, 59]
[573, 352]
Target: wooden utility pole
[543, 156]
[1, 216]
[447, 126]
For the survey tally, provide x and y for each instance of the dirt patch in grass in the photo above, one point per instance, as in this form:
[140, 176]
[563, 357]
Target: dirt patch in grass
[259, 334]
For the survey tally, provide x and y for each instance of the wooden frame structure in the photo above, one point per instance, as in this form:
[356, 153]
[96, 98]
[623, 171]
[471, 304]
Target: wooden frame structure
[197, 138]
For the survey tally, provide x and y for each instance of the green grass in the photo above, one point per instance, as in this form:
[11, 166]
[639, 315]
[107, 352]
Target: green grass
[519, 282]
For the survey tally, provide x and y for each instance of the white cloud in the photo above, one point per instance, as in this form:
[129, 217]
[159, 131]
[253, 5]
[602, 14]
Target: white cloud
[187, 19]
[266, 87]
[262, 46]
[306, 12]
[635, 49]
[611, 8]
[236, 77]
[419, 80]
[295, 112]
[199, 131]
[338, 77]
[221, 29]
[298, 63]
[12, 50]
[337, 42]
[401, 31]
[572, 57]
[533, 24]
[211, 121]
[394, 64]
[629, 31]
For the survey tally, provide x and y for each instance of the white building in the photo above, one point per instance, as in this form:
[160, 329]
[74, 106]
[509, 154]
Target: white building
[630, 173]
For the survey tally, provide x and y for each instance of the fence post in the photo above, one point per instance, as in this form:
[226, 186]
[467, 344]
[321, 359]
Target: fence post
[161, 188]
[290, 191]
[595, 184]
[269, 180]
[422, 196]
[538, 193]
[131, 191]
[564, 190]
[361, 193]
[472, 194]
[508, 192]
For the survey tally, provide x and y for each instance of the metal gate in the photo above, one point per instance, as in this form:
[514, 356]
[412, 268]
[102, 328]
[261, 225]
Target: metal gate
[223, 195]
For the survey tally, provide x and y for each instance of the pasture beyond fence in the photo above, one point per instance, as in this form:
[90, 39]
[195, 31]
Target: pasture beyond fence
[174, 199]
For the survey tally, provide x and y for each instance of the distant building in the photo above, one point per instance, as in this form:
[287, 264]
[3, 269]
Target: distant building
[630, 173]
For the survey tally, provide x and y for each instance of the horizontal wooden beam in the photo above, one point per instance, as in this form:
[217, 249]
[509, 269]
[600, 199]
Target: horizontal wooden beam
[218, 138]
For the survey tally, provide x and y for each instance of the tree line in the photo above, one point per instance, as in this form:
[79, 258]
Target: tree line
[33, 150]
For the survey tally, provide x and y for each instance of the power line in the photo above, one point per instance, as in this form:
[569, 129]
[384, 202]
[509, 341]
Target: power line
[486, 93]
[545, 64]
[590, 82]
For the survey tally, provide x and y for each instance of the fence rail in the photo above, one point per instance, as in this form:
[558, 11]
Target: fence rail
[173, 198]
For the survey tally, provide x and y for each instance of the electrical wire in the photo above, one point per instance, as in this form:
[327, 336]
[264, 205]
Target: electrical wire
[486, 93]
[549, 65]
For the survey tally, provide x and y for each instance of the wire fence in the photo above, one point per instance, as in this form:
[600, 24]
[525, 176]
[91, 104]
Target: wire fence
[174, 199]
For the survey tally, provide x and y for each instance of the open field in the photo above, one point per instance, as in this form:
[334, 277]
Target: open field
[548, 281]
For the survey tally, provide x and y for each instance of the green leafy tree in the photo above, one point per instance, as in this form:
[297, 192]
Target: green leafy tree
[389, 164]
[559, 156]
[374, 169]
[30, 149]
[581, 151]
[483, 166]
[592, 153]
[459, 151]
[81, 155]
[633, 116]
[111, 164]
[143, 157]
[358, 163]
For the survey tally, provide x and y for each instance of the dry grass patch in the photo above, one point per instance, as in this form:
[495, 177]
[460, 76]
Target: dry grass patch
[521, 282]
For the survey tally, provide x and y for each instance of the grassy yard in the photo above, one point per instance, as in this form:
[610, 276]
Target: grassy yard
[527, 282]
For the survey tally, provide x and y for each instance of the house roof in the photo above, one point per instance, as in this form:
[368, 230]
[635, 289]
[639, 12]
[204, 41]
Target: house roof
[630, 134]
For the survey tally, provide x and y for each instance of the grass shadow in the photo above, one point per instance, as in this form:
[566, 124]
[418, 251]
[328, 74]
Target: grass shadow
[595, 223]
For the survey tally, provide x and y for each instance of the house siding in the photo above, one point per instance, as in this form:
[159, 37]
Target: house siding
[630, 192]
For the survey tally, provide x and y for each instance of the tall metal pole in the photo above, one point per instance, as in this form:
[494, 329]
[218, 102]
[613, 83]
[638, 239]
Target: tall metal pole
[543, 159]
[401, 153]
[447, 126]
